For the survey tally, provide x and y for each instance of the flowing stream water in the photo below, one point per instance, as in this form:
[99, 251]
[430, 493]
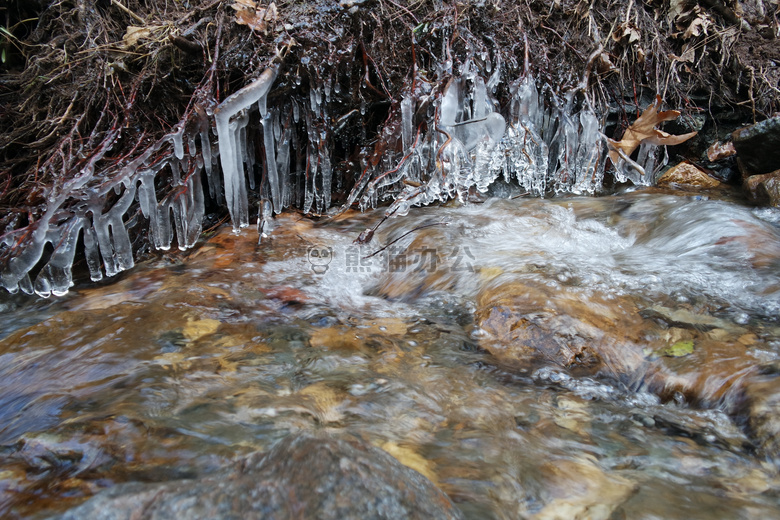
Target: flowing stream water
[566, 358]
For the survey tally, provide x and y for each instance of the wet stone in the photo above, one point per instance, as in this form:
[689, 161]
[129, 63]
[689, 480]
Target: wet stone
[764, 189]
[763, 413]
[687, 175]
[302, 476]
[758, 147]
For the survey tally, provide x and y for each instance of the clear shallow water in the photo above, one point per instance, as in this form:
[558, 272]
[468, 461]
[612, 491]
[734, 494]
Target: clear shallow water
[187, 362]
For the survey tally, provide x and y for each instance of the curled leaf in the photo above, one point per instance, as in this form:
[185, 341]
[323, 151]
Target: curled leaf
[135, 34]
[257, 18]
[644, 130]
[718, 151]
[627, 31]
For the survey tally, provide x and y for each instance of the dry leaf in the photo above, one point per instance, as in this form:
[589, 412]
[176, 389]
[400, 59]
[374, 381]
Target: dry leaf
[676, 9]
[644, 131]
[135, 34]
[688, 54]
[244, 4]
[718, 151]
[626, 30]
[698, 26]
[258, 19]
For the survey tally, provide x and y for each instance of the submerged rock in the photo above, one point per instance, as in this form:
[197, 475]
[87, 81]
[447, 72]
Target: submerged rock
[579, 489]
[762, 396]
[302, 476]
[675, 354]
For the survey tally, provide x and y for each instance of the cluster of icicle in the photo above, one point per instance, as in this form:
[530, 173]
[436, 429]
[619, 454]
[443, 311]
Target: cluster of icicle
[177, 162]
[77, 209]
[289, 176]
[439, 148]
[542, 143]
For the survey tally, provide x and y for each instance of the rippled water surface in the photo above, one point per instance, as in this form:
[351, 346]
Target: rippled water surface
[588, 358]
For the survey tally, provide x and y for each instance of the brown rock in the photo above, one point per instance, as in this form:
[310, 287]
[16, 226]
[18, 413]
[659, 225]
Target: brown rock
[764, 189]
[529, 323]
[688, 175]
[579, 489]
[526, 325]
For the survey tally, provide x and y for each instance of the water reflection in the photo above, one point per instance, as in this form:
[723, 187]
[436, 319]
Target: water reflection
[575, 358]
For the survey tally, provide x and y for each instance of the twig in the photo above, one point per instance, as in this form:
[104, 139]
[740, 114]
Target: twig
[407, 11]
[402, 236]
[128, 11]
[556, 33]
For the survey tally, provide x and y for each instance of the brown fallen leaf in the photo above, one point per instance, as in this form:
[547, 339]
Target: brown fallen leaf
[626, 30]
[257, 18]
[135, 34]
[719, 150]
[644, 130]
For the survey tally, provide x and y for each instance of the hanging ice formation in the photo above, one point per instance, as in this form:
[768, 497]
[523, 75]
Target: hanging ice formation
[233, 146]
[78, 208]
[441, 141]
[544, 144]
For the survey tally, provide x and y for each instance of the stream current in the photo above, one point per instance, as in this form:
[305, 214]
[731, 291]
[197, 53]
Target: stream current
[566, 358]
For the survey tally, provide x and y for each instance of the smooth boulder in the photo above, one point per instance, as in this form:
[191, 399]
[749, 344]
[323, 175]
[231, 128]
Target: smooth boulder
[302, 476]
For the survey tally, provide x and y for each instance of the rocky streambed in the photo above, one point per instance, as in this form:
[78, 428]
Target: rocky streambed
[521, 358]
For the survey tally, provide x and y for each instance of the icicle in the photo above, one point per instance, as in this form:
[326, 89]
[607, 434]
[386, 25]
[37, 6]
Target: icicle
[326, 174]
[312, 155]
[20, 265]
[449, 104]
[264, 219]
[55, 277]
[178, 144]
[406, 123]
[203, 127]
[25, 284]
[270, 159]
[91, 251]
[112, 234]
[589, 164]
[188, 212]
[495, 78]
[481, 107]
[568, 139]
[300, 166]
[235, 186]
[147, 198]
[283, 166]
[647, 158]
